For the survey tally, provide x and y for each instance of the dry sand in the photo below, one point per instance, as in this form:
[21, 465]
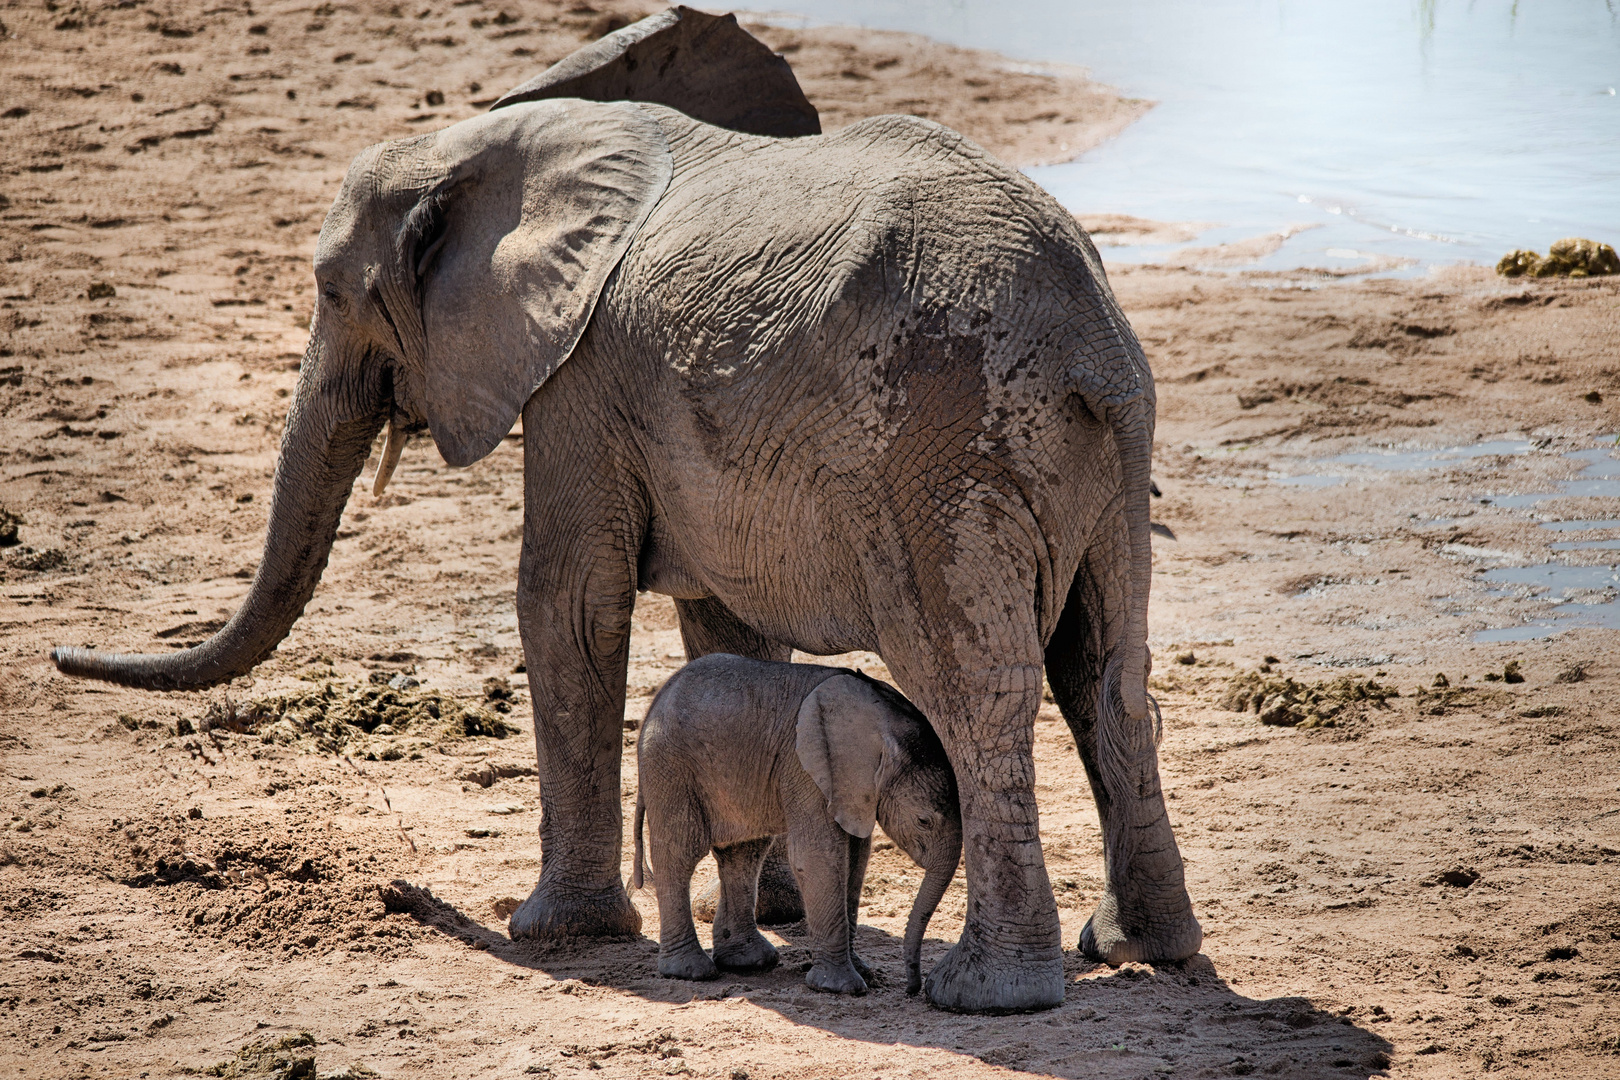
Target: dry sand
[1426, 888]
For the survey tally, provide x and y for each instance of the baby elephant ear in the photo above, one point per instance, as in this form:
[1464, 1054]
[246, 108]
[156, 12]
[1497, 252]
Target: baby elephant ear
[841, 745]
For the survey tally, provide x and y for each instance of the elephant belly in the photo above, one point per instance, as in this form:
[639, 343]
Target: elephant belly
[776, 567]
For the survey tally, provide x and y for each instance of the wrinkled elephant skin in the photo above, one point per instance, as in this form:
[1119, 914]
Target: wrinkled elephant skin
[736, 751]
[867, 390]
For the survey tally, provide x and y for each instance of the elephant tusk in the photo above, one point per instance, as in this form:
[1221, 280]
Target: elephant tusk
[393, 443]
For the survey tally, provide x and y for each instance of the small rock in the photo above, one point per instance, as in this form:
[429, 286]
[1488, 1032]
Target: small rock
[1186, 658]
[483, 774]
[506, 808]
[1573, 674]
[100, 290]
[404, 682]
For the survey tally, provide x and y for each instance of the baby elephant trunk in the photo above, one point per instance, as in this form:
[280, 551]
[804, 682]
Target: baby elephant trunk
[936, 879]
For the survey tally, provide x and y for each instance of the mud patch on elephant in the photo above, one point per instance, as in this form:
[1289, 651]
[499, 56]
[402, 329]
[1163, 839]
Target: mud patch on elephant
[380, 721]
[1283, 702]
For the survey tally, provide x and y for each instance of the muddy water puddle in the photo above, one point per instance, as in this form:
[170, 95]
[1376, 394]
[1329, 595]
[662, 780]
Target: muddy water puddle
[1589, 595]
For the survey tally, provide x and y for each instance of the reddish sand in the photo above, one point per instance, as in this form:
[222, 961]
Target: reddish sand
[1427, 888]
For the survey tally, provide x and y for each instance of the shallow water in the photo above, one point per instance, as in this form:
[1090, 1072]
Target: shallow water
[1437, 131]
[1600, 479]
[1581, 526]
[1407, 460]
[1566, 580]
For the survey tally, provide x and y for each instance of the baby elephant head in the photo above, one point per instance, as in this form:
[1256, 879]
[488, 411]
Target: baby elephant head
[877, 759]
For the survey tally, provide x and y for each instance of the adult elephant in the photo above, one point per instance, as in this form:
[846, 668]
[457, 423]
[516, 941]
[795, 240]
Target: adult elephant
[867, 390]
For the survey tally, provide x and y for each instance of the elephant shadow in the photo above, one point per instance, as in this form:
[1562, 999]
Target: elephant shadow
[1179, 1019]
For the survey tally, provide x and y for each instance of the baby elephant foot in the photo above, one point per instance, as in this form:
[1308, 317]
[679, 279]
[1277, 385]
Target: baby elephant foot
[835, 980]
[744, 952]
[692, 963]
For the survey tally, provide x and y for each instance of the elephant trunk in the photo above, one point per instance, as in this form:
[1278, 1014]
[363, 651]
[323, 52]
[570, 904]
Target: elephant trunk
[936, 879]
[323, 449]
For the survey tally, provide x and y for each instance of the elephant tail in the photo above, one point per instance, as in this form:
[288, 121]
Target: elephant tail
[637, 874]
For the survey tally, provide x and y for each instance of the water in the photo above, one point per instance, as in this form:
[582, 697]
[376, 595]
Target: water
[1407, 460]
[1588, 545]
[1605, 580]
[1436, 131]
[1600, 479]
[1581, 526]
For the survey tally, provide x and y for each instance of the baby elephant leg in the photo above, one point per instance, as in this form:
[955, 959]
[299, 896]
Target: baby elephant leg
[860, 853]
[680, 954]
[819, 854]
[738, 944]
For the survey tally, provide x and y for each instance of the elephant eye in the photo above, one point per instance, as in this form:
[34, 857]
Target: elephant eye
[925, 821]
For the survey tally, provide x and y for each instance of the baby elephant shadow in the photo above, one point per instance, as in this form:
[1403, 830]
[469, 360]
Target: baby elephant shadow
[1138, 1020]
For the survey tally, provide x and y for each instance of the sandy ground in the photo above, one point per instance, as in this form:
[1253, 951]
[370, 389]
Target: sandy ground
[1425, 888]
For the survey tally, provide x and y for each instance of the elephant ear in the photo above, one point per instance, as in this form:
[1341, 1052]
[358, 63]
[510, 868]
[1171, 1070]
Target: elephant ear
[842, 744]
[538, 205]
[704, 65]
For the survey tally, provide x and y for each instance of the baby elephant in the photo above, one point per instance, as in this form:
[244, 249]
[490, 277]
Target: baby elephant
[736, 751]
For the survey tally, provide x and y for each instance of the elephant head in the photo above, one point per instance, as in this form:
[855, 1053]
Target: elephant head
[877, 760]
[455, 272]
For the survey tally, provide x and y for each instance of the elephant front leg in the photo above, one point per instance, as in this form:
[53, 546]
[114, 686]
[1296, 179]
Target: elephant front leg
[576, 590]
[860, 854]
[819, 851]
[708, 626]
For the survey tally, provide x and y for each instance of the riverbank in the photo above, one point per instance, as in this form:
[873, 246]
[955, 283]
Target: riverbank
[1422, 885]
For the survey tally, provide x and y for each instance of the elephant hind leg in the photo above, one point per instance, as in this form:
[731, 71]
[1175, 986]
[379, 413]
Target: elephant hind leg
[738, 944]
[708, 626]
[1145, 914]
[677, 845]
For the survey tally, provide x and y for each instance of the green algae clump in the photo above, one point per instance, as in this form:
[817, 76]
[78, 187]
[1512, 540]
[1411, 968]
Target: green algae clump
[1570, 257]
[1284, 702]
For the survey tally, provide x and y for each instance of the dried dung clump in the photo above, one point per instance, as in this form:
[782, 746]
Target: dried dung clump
[8, 527]
[1284, 702]
[1569, 257]
[288, 1058]
[382, 721]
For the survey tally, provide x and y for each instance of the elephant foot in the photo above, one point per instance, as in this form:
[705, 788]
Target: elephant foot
[973, 979]
[744, 952]
[778, 901]
[1175, 935]
[689, 963]
[552, 914]
[832, 979]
